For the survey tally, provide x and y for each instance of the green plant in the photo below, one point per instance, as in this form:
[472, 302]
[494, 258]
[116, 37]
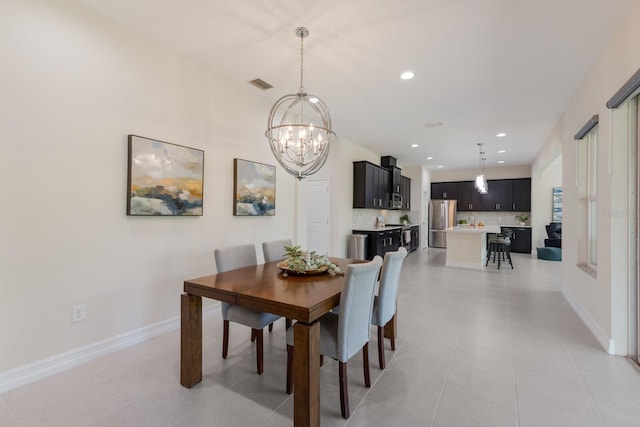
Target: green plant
[522, 218]
[300, 261]
[405, 218]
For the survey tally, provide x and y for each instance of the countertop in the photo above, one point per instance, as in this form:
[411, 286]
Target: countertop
[385, 228]
[472, 230]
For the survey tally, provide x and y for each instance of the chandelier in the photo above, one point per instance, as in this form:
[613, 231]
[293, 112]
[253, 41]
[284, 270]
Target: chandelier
[481, 183]
[299, 127]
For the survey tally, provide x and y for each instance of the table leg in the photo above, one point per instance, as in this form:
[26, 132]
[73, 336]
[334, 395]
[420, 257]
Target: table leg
[306, 374]
[190, 340]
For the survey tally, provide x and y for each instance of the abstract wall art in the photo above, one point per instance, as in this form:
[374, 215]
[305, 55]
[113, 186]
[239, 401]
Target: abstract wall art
[254, 188]
[164, 178]
[556, 214]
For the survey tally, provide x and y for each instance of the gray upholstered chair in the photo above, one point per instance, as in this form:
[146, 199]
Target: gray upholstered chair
[384, 305]
[274, 251]
[342, 335]
[233, 258]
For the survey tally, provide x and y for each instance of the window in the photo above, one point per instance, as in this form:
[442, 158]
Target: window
[587, 167]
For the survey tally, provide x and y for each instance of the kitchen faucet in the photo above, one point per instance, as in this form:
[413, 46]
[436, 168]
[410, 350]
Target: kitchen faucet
[474, 219]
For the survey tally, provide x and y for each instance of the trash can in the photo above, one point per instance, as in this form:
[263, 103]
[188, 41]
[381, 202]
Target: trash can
[357, 246]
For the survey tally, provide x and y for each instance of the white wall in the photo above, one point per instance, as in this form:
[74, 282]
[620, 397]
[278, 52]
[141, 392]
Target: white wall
[73, 86]
[601, 301]
[542, 199]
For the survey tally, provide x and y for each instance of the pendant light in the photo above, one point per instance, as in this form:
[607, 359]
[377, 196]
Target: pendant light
[481, 182]
[299, 127]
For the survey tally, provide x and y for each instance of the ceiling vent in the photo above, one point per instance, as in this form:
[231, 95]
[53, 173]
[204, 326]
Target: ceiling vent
[260, 84]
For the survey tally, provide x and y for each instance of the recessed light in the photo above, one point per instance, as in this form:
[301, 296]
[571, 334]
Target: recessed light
[429, 158]
[407, 75]
[440, 166]
[500, 161]
[414, 145]
[501, 134]
[502, 151]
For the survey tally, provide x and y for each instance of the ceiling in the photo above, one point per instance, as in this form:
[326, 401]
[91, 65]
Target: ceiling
[481, 66]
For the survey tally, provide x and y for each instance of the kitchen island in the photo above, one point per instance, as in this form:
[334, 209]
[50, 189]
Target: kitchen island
[467, 246]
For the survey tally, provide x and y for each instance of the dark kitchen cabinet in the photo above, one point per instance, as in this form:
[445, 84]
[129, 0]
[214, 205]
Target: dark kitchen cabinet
[470, 198]
[395, 176]
[415, 238]
[521, 194]
[405, 189]
[503, 195]
[370, 186]
[521, 241]
[444, 190]
[380, 242]
[499, 196]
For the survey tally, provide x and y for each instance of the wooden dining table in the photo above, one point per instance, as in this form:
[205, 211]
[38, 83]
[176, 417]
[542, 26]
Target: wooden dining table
[264, 287]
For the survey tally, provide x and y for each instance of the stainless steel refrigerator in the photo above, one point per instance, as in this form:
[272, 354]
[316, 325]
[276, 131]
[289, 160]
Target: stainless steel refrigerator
[442, 215]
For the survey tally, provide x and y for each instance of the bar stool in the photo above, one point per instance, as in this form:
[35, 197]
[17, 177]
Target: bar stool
[500, 246]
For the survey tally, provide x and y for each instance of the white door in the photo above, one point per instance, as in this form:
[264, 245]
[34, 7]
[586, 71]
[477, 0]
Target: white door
[317, 191]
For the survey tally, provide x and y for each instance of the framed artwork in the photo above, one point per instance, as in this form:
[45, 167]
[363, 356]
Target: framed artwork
[164, 178]
[254, 188]
[556, 215]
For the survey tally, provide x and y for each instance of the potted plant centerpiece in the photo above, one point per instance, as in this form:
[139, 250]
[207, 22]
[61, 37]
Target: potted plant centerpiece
[404, 219]
[298, 261]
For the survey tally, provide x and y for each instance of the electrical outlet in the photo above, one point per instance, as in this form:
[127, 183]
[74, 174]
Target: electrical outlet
[78, 312]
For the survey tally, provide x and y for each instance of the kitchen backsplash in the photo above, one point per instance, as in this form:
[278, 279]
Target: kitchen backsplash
[367, 217]
[493, 218]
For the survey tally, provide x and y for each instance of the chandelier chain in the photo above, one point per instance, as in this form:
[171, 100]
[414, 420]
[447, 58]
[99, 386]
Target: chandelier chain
[301, 62]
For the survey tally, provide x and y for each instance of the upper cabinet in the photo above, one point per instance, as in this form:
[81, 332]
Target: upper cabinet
[444, 190]
[503, 195]
[373, 186]
[498, 197]
[395, 177]
[469, 198]
[370, 186]
[405, 189]
[521, 195]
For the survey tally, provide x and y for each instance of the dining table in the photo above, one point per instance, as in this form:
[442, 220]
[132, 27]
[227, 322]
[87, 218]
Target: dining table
[269, 288]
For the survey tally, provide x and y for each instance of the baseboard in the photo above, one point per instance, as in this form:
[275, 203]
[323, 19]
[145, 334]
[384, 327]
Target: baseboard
[40, 369]
[607, 343]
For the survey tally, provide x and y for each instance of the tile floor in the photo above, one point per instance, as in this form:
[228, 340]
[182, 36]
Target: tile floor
[491, 348]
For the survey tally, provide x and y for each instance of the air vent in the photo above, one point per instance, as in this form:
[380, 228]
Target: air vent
[260, 84]
[433, 124]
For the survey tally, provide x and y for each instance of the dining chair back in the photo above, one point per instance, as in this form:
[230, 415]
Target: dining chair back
[356, 306]
[233, 258]
[345, 333]
[384, 306]
[274, 250]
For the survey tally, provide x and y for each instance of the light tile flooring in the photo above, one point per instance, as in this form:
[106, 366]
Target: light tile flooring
[491, 348]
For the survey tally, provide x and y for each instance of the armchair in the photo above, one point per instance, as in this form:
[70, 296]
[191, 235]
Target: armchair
[554, 235]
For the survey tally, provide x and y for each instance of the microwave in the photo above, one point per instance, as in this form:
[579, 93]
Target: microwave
[396, 200]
